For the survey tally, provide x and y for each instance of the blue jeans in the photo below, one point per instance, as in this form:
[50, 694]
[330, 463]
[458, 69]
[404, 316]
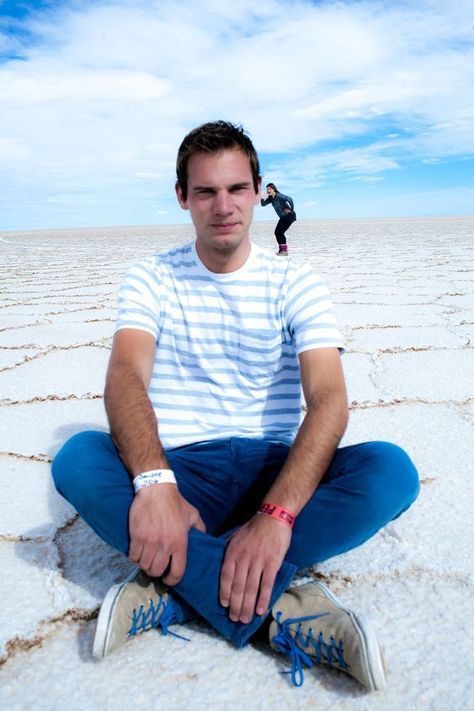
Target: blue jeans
[366, 486]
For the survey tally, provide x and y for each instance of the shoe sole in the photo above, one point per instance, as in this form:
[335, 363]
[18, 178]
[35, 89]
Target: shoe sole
[107, 608]
[371, 649]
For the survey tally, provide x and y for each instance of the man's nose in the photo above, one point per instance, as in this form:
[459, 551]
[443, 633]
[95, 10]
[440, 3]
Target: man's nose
[222, 203]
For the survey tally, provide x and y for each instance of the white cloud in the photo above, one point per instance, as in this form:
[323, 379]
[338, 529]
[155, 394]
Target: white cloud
[362, 161]
[368, 178]
[313, 170]
[369, 100]
[13, 149]
[50, 84]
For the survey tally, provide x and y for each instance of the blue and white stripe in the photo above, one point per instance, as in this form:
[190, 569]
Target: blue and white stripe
[226, 362]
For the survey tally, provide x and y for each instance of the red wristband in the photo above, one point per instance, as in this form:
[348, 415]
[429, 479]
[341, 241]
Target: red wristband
[278, 513]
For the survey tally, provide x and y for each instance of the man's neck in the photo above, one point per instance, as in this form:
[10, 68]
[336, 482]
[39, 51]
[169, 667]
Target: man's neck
[224, 261]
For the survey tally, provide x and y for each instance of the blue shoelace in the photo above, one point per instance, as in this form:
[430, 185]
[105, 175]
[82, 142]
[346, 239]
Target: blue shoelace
[289, 642]
[160, 615]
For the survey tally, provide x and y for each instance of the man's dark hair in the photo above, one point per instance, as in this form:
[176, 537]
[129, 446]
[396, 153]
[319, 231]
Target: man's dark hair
[273, 186]
[215, 137]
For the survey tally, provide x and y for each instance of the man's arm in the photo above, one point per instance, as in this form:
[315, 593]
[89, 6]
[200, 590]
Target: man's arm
[257, 550]
[131, 416]
[326, 419]
[160, 518]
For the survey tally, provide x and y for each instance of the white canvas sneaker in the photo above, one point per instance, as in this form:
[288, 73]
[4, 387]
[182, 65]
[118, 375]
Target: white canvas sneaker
[129, 608]
[311, 626]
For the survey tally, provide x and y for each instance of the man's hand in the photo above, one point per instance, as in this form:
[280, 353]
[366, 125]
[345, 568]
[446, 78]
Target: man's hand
[159, 523]
[253, 558]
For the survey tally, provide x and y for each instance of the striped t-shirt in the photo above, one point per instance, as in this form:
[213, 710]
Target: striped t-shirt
[227, 344]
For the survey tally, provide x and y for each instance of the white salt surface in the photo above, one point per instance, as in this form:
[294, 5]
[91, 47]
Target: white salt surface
[59, 373]
[30, 489]
[403, 291]
[54, 334]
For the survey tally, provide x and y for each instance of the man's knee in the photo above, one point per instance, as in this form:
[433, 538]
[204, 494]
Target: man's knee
[395, 477]
[77, 457]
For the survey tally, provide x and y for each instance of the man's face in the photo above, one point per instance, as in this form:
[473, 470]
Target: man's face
[221, 199]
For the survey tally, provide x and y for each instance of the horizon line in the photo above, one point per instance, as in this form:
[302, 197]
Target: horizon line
[189, 224]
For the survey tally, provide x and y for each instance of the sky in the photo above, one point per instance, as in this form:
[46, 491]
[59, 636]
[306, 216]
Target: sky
[357, 108]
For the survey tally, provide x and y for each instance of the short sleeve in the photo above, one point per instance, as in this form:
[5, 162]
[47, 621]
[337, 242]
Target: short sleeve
[309, 312]
[139, 300]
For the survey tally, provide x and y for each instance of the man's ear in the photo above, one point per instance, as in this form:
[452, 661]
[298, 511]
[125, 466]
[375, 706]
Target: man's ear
[179, 194]
[259, 190]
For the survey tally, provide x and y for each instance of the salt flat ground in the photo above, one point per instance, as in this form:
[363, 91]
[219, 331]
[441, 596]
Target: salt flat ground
[403, 291]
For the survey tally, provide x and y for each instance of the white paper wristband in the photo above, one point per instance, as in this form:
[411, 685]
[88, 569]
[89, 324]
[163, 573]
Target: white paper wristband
[155, 476]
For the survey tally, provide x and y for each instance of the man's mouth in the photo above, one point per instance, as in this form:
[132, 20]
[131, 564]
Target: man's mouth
[224, 226]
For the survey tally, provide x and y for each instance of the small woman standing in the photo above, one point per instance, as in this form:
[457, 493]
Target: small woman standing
[284, 208]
